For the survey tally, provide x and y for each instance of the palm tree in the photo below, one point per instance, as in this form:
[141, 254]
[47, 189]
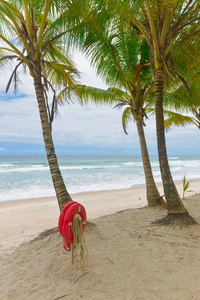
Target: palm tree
[166, 26]
[123, 60]
[34, 43]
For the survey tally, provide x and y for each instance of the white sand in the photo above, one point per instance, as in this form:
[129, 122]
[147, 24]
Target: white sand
[129, 258]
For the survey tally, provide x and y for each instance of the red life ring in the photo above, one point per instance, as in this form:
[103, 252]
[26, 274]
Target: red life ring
[65, 222]
[62, 215]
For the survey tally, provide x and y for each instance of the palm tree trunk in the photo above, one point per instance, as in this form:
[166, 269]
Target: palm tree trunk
[153, 195]
[58, 182]
[176, 209]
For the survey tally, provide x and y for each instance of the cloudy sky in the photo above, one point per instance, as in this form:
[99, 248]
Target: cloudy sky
[78, 130]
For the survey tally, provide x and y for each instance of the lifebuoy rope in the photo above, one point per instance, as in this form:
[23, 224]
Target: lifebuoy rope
[79, 242]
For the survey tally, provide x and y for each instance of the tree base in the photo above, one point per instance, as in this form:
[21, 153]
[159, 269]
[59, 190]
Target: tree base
[179, 219]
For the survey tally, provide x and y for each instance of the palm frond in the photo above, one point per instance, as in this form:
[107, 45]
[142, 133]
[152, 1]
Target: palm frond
[177, 120]
[14, 77]
[88, 94]
[126, 118]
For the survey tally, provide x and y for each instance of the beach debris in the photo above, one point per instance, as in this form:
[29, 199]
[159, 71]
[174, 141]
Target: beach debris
[71, 224]
[162, 201]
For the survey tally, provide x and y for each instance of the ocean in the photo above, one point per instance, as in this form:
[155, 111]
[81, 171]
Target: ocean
[24, 177]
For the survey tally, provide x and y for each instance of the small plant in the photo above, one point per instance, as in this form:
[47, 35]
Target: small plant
[186, 185]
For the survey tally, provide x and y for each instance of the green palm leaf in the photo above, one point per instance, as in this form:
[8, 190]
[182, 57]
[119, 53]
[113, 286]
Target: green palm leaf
[174, 119]
[127, 116]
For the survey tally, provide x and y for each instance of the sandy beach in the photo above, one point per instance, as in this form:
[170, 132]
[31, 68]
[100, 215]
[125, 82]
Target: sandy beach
[129, 257]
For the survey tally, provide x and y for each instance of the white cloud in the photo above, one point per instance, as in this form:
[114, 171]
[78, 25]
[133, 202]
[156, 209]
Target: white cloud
[20, 120]
[98, 125]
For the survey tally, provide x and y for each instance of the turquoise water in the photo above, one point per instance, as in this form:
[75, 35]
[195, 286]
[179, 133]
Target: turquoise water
[23, 177]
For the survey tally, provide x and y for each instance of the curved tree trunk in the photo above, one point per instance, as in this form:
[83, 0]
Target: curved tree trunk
[59, 186]
[176, 208]
[153, 195]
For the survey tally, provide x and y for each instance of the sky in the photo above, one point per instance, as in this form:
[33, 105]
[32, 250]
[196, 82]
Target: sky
[78, 130]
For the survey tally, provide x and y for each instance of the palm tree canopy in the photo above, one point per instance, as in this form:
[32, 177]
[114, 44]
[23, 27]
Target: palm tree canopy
[165, 25]
[121, 58]
[33, 41]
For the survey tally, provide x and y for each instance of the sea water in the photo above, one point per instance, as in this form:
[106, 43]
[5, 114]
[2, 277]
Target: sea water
[24, 177]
